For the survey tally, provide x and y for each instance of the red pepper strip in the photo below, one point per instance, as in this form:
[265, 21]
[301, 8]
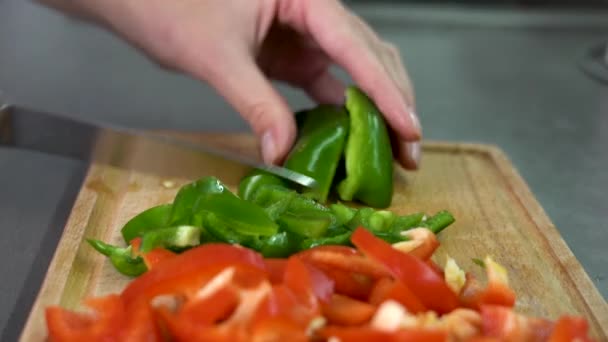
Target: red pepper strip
[276, 269]
[278, 329]
[343, 258]
[366, 333]
[187, 271]
[200, 319]
[473, 296]
[283, 305]
[343, 310]
[503, 323]
[569, 328]
[153, 257]
[414, 273]
[387, 288]
[64, 325]
[307, 283]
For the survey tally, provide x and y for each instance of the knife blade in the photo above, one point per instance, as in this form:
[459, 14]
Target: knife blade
[89, 140]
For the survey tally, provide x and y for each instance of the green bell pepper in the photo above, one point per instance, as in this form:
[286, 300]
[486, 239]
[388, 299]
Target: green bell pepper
[254, 180]
[121, 258]
[319, 147]
[174, 238]
[294, 212]
[189, 198]
[340, 239]
[438, 222]
[239, 215]
[148, 220]
[368, 154]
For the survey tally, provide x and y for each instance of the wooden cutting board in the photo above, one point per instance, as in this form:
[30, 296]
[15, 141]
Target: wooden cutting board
[496, 214]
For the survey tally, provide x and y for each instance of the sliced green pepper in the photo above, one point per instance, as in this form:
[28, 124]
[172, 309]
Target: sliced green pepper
[343, 213]
[151, 219]
[341, 239]
[438, 222]
[173, 238]
[368, 154]
[253, 181]
[319, 147]
[190, 197]
[241, 216]
[121, 258]
[280, 245]
[294, 212]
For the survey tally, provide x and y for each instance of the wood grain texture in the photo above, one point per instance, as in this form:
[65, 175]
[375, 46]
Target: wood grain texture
[496, 215]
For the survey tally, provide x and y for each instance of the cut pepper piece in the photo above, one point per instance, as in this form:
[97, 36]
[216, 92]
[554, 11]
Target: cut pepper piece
[148, 220]
[319, 147]
[368, 154]
[121, 258]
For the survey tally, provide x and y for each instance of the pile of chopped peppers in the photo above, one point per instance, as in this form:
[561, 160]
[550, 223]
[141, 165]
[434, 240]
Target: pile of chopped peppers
[345, 149]
[373, 291]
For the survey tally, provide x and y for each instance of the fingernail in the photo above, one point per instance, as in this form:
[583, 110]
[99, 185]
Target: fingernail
[415, 121]
[268, 148]
[413, 151]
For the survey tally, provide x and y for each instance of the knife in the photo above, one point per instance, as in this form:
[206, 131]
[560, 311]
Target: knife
[92, 141]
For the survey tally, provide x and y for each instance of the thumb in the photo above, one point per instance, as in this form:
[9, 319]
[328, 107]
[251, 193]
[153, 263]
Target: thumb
[245, 87]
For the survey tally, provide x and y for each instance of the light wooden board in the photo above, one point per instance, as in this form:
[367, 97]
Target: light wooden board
[496, 215]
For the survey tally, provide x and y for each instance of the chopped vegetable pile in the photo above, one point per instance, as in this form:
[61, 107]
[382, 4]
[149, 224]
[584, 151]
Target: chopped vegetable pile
[276, 262]
[374, 292]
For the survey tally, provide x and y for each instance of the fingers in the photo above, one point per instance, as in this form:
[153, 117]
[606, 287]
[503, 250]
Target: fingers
[239, 80]
[375, 66]
[325, 88]
[354, 46]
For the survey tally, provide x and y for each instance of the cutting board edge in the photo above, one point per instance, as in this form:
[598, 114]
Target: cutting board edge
[53, 276]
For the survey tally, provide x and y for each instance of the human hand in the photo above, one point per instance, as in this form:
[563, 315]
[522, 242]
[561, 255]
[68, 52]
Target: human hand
[238, 45]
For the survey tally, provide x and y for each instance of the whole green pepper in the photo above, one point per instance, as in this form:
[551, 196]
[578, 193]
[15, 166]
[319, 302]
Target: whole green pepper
[121, 258]
[319, 147]
[368, 154]
[148, 220]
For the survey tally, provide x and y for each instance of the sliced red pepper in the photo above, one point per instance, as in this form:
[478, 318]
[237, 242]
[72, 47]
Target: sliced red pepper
[474, 296]
[413, 272]
[343, 258]
[276, 269]
[65, 325]
[570, 328]
[366, 333]
[387, 288]
[278, 329]
[503, 323]
[307, 283]
[190, 269]
[343, 310]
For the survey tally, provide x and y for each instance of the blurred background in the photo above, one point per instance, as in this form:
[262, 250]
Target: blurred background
[528, 76]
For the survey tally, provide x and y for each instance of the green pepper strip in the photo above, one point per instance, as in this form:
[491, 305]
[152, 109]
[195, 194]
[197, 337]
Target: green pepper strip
[341, 239]
[294, 212]
[368, 154]
[239, 215]
[319, 147]
[121, 258]
[438, 222]
[253, 181]
[190, 198]
[173, 238]
[148, 220]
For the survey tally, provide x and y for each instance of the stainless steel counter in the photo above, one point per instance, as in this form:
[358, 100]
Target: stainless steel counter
[502, 77]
